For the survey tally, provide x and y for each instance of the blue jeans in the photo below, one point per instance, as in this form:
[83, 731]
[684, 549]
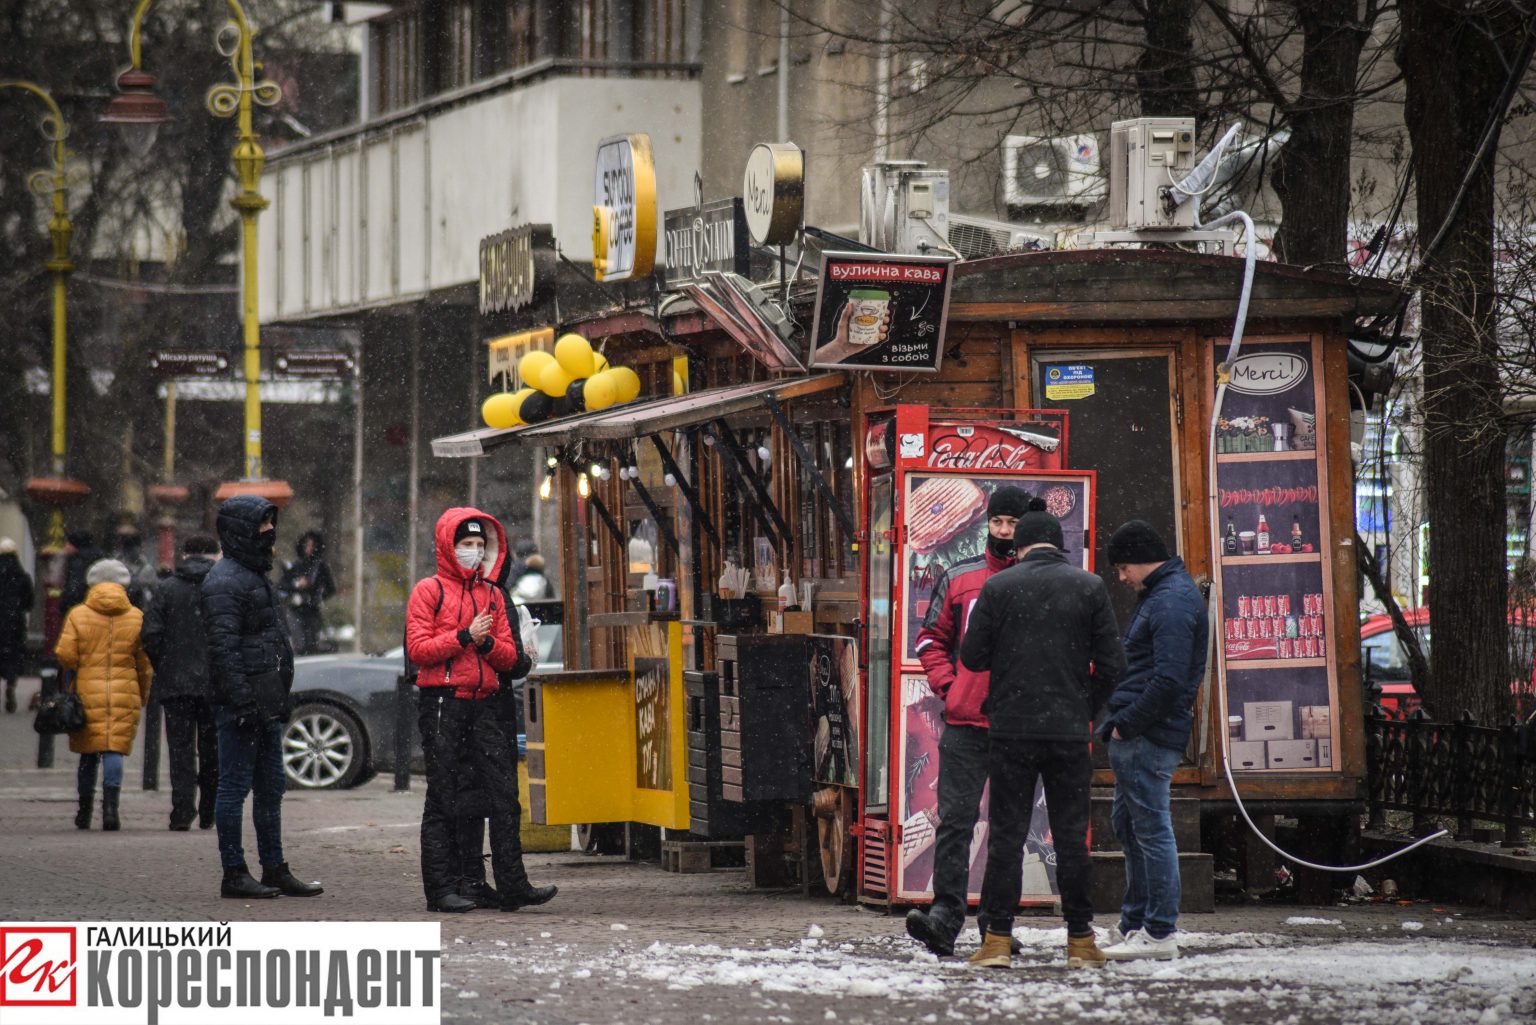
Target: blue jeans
[1144, 827]
[249, 759]
[111, 772]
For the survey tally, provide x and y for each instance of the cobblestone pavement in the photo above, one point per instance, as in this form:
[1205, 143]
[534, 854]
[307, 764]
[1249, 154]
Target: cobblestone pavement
[628, 943]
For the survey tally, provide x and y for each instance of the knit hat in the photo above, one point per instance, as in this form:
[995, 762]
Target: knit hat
[1037, 526]
[1008, 500]
[1136, 542]
[469, 528]
[7, 546]
[107, 571]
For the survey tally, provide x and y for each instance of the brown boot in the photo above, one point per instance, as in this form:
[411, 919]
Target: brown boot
[1083, 952]
[995, 951]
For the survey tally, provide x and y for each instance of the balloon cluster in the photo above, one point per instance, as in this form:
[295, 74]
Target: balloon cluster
[572, 380]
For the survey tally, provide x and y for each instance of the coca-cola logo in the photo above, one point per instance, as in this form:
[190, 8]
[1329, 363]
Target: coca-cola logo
[1267, 373]
[981, 450]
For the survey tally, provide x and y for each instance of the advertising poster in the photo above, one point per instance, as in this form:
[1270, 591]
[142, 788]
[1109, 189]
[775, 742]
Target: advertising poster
[879, 312]
[835, 710]
[653, 742]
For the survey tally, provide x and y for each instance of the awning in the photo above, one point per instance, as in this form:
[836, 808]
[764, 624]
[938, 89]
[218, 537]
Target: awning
[637, 419]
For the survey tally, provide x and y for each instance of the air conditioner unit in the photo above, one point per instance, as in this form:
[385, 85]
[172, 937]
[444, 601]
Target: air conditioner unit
[1058, 170]
[975, 237]
[904, 207]
[1147, 157]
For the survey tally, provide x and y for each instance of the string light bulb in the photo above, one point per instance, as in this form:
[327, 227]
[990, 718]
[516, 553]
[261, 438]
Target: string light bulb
[764, 455]
[597, 469]
[583, 486]
[551, 462]
[544, 487]
[669, 480]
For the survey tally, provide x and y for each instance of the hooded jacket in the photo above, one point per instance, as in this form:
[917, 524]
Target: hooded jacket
[100, 642]
[938, 643]
[318, 582]
[245, 634]
[442, 606]
[1165, 646]
[16, 597]
[174, 634]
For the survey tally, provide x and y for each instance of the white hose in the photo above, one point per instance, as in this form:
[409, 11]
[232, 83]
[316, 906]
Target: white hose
[1250, 253]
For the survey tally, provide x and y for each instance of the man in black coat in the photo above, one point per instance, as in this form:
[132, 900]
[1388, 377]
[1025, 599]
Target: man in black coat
[247, 648]
[15, 604]
[80, 554]
[305, 584]
[1046, 632]
[177, 645]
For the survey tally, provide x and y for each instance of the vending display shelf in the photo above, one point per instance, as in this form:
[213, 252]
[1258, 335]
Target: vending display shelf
[1256, 560]
[1266, 457]
[1276, 663]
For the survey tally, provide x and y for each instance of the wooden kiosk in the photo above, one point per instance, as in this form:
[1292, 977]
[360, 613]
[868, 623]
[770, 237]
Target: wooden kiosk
[766, 472]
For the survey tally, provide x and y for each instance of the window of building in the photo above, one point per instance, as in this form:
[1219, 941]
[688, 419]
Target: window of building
[396, 57]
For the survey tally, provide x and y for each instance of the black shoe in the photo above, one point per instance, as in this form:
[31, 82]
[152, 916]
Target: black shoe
[239, 884]
[278, 876]
[180, 826]
[529, 898]
[205, 803]
[451, 904]
[923, 928]
[1014, 946]
[483, 894]
[109, 819]
[87, 808]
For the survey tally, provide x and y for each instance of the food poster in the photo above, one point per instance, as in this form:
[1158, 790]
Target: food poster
[946, 524]
[922, 722]
[834, 673]
[881, 312]
[1275, 584]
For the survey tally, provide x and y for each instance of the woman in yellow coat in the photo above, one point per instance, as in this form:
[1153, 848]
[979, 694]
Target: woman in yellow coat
[100, 641]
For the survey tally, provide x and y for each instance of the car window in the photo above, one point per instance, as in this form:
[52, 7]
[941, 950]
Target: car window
[1382, 657]
[549, 644]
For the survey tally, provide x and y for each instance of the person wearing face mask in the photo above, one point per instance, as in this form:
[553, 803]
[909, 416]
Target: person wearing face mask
[963, 745]
[458, 634]
[248, 654]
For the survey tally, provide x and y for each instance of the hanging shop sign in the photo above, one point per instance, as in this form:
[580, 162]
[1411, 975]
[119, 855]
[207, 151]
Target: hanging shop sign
[624, 208]
[504, 352]
[188, 362]
[510, 277]
[709, 237]
[328, 363]
[774, 191]
[878, 312]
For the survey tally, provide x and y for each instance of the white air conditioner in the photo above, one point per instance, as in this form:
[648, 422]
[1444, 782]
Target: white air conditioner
[1058, 170]
[904, 207]
[975, 237]
[1147, 157]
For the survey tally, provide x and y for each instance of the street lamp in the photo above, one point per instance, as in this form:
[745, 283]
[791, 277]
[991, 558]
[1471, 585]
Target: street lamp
[55, 490]
[138, 108]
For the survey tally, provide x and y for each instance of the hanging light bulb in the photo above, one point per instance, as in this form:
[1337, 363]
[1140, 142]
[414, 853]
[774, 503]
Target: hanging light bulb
[583, 487]
[597, 469]
[544, 487]
[634, 473]
[604, 473]
[669, 480]
[763, 454]
[709, 441]
[551, 462]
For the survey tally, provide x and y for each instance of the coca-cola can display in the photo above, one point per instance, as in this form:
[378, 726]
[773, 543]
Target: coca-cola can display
[1269, 605]
[1317, 626]
[1234, 629]
[1279, 627]
[1266, 629]
[1285, 605]
[1287, 648]
[1244, 606]
[1313, 647]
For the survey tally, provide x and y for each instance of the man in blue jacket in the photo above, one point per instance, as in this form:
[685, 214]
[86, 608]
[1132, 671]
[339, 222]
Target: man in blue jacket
[1147, 726]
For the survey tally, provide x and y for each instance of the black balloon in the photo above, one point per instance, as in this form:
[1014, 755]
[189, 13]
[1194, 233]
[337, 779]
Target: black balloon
[574, 396]
[536, 407]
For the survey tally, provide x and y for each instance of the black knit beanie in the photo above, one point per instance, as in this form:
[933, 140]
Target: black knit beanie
[1037, 526]
[469, 528]
[1136, 542]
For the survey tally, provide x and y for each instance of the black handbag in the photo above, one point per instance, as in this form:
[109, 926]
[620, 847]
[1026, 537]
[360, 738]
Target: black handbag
[62, 712]
[270, 695]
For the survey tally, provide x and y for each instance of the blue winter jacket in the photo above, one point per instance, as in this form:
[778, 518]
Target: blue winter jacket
[1165, 650]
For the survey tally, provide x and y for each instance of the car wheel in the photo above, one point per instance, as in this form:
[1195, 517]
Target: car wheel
[324, 747]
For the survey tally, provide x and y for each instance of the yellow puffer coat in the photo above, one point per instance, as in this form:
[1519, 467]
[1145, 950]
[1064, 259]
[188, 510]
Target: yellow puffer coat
[100, 641]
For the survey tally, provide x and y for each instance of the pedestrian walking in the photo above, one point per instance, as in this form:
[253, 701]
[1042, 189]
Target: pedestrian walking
[458, 633]
[142, 575]
[16, 597]
[963, 744]
[1151, 714]
[306, 584]
[250, 672]
[1045, 631]
[80, 554]
[532, 584]
[177, 642]
[100, 641]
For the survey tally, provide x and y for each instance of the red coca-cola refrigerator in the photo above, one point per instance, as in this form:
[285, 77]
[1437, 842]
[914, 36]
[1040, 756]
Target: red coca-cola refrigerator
[929, 474]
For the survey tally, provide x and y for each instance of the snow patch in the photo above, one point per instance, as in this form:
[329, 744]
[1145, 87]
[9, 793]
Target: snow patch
[1304, 920]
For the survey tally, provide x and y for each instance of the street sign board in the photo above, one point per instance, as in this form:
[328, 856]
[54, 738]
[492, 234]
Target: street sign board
[712, 236]
[626, 185]
[188, 362]
[314, 363]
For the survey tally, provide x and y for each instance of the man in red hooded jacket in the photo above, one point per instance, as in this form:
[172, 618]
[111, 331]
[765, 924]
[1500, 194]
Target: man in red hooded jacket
[458, 634]
[963, 746]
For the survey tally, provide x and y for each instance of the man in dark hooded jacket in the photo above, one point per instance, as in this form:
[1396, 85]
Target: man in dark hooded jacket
[305, 584]
[80, 554]
[246, 640]
[177, 644]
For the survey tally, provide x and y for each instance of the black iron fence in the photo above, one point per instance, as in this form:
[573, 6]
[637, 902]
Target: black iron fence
[1461, 770]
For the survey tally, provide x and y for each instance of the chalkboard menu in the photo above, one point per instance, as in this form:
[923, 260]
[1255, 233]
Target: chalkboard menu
[1278, 619]
[653, 725]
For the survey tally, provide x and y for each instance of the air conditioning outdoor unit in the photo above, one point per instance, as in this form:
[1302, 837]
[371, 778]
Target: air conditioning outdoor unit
[904, 207]
[1058, 170]
[975, 237]
[1147, 157]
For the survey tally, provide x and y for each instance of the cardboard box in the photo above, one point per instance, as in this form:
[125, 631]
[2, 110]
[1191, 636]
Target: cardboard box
[790, 623]
[1245, 757]
[1316, 722]
[1293, 754]
[1325, 754]
[1268, 720]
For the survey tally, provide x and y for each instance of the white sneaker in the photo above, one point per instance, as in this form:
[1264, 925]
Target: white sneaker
[1111, 936]
[1139, 946]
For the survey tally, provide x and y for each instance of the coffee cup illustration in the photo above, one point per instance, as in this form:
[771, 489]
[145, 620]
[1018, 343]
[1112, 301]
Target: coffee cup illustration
[868, 307]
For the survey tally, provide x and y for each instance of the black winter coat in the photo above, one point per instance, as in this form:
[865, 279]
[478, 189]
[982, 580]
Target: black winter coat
[15, 602]
[75, 566]
[246, 635]
[174, 635]
[1046, 632]
[312, 569]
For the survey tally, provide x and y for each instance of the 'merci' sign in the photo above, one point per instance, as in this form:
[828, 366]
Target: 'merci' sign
[1268, 373]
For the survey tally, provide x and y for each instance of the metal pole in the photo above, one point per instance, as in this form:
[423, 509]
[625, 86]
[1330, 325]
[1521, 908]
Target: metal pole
[50, 687]
[405, 705]
[474, 413]
[358, 533]
[883, 86]
[413, 504]
[783, 135]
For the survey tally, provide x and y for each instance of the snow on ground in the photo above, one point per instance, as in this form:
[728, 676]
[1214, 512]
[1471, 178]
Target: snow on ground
[1287, 980]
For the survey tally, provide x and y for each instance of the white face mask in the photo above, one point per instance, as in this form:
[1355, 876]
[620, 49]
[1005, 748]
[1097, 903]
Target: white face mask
[469, 556]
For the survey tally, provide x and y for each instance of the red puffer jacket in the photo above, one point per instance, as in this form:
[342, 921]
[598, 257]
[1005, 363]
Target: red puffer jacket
[443, 605]
[938, 643]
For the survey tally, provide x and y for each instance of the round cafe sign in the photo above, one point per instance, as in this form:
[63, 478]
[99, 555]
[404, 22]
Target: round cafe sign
[773, 190]
[626, 193]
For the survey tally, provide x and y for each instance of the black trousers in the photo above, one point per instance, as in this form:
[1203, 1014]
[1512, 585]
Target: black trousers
[1066, 769]
[962, 778]
[470, 769]
[194, 755]
[471, 831]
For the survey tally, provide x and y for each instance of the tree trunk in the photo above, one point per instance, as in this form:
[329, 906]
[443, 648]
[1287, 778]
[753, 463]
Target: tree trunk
[1165, 68]
[1454, 74]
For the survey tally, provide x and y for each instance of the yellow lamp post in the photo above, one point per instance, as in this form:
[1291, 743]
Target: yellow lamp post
[137, 106]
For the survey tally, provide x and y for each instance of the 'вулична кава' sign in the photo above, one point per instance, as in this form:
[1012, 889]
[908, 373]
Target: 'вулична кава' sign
[880, 312]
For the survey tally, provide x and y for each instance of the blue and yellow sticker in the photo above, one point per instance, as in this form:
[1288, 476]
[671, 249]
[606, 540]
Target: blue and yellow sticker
[1067, 381]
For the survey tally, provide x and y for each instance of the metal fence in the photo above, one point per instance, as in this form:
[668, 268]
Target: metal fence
[1455, 769]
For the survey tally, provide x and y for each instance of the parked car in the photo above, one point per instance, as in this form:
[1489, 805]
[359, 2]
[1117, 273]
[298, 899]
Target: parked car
[1383, 661]
[342, 730]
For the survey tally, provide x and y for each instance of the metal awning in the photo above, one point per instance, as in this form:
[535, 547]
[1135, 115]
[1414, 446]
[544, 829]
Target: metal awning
[638, 419]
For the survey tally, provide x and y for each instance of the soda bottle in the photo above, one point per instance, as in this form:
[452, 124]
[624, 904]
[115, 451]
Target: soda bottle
[1229, 545]
[1263, 536]
[1296, 539]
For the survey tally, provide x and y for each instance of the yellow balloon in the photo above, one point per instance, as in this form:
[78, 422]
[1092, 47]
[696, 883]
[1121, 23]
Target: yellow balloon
[519, 397]
[554, 380]
[500, 410]
[532, 365]
[600, 391]
[628, 383]
[574, 353]
[599, 363]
